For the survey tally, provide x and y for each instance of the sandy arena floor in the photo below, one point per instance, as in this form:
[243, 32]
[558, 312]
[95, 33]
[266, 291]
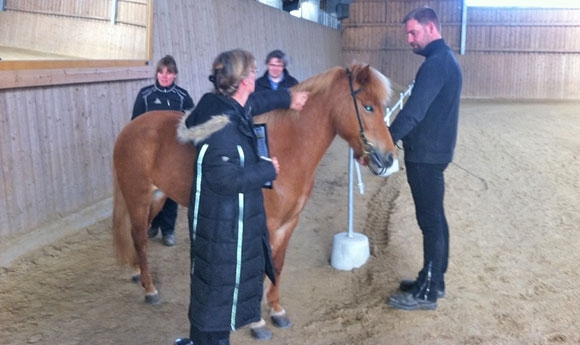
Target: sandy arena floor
[512, 199]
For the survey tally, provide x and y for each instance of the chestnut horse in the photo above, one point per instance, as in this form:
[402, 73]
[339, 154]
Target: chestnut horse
[150, 163]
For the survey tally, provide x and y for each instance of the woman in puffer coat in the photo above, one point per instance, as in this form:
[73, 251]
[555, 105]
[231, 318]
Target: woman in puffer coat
[229, 251]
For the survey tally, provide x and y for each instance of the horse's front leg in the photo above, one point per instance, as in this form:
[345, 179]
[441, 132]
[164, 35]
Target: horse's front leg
[278, 242]
[278, 315]
[139, 234]
[260, 330]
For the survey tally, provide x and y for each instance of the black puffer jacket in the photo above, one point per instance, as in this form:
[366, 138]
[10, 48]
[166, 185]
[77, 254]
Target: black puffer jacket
[229, 240]
[263, 83]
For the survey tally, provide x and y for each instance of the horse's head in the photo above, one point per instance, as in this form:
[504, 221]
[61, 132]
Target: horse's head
[360, 110]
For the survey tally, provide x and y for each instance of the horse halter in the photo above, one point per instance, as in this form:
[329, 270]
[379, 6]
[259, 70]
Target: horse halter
[367, 146]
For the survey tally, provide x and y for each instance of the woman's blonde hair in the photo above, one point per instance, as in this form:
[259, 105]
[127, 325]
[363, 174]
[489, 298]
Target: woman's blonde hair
[228, 70]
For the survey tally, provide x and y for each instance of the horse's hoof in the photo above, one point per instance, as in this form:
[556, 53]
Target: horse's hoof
[261, 333]
[136, 279]
[153, 299]
[281, 321]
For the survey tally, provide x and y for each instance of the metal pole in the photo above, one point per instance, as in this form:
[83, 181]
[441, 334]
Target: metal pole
[463, 28]
[350, 184]
[361, 185]
[114, 11]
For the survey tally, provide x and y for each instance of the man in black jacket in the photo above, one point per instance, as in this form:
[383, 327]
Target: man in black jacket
[427, 125]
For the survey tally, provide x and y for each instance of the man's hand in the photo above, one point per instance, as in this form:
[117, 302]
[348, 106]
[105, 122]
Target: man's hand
[298, 99]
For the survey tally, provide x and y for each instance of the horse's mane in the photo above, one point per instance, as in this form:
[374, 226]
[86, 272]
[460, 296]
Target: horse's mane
[321, 82]
[382, 87]
[378, 84]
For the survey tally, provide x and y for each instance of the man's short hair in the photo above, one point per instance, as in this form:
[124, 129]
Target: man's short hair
[277, 54]
[424, 16]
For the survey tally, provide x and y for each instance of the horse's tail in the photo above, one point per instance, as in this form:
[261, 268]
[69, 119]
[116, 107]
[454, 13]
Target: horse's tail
[122, 239]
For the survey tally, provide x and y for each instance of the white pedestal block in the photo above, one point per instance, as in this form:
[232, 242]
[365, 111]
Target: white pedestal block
[349, 252]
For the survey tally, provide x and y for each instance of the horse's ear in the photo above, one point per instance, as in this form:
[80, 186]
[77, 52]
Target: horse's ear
[364, 75]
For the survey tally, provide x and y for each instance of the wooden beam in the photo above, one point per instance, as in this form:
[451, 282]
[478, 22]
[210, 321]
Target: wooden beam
[62, 63]
[10, 79]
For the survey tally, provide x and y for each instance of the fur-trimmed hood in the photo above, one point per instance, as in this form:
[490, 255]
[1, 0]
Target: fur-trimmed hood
[201, 132]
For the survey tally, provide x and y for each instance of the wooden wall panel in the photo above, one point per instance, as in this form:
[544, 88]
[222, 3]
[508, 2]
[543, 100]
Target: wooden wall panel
[520, 76]
[56, 141]
[96, 9]
[47, 35]
[510, 53]
[55, 146]
[195, 39]
[372, 12]
[77, 29]
[132, 12]
[523, 30]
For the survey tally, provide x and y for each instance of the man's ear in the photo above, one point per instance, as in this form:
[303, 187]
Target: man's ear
[432, 29]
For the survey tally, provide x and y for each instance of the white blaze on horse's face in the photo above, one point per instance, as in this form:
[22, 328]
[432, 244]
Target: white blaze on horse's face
[386, 83]
[376, 167]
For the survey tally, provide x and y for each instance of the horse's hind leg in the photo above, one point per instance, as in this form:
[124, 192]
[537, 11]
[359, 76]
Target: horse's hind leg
[141, 219]
[135, 272]
[139, 234]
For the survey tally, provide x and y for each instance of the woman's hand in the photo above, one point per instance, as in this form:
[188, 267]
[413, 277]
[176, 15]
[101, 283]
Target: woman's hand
[276, 165]
[298, 99]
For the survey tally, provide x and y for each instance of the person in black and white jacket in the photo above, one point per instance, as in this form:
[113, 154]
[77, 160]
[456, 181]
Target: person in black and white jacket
[164, 94]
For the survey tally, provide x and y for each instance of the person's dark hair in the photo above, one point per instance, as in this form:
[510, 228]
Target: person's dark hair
[229, 68]
[424, 16]
[169, 62]
[277, 54]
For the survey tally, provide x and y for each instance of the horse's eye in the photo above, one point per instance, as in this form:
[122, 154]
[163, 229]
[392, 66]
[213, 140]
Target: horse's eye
[369, 108]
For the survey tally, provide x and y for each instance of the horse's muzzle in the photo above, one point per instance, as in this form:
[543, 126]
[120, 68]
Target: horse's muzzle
[382, 165]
